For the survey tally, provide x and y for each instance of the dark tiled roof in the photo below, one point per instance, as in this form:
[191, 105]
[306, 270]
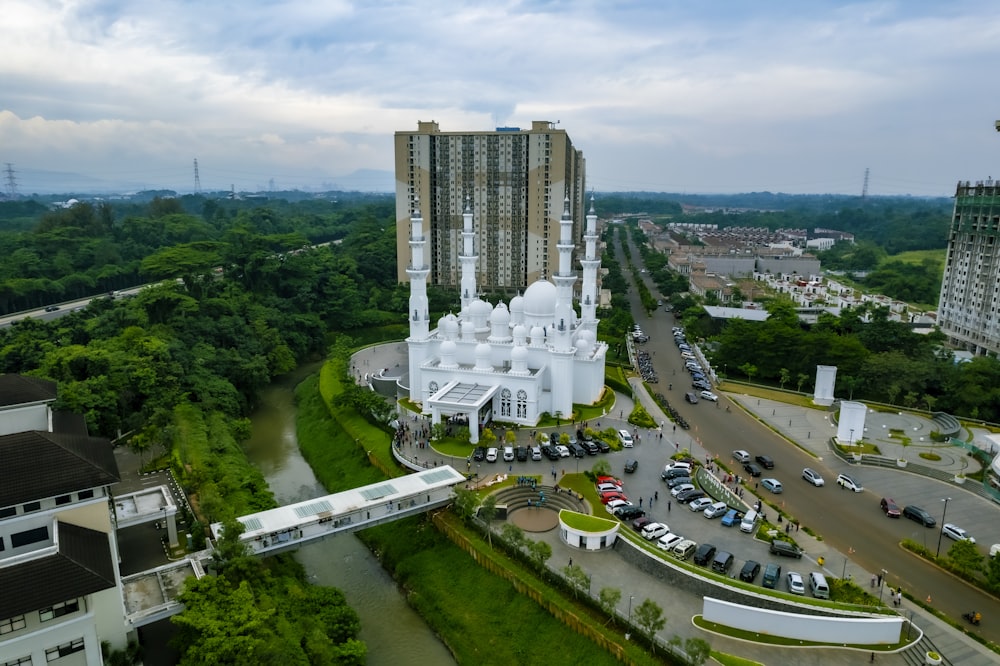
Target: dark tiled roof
[83, 565]
[40, 464]
[19, 389]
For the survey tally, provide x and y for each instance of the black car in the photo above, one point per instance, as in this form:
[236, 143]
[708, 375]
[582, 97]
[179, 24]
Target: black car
[704, 554]
[749, 571]
[678, 480]
[766, 462]
[589, 446]
[553, 438]
[629, 513]
[915, 513]
[51, 308]
[751, 469]
[674, 472]
[522, 453]
[689, 495]
[631, 465]
[603, 446]
[785, 549]
[550, 452]
[479, 454]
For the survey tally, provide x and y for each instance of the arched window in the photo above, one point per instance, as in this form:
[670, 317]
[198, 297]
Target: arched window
[505, 402]
[522, 404]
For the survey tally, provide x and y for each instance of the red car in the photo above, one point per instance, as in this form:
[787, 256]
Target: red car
[607, 497]
[609, 479]
[890, 507]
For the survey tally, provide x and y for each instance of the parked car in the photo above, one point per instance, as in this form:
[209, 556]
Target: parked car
[611, 479]
[684, 549]
[773, 485]
[670, 474]
[732, 517]
[765, 461]
[701, 384]
[654, 531]
[521, 453]
[577, 450]
[508, 454]
[813, 477]
[690, 495]
[722, 561]
[708, 395]
[631, 465]
[605, 486]
[849, 482]
[611, 496]
[629, 512]
[716, 509]
[795, 584]
[916, 514]
[785, 549]
[704, 554]
[691, 397]
[752, 469]
[668, 541]
[613, 504]
[625, 437]
[741, 456]
[684, 487]
[749, 571]
[603, 446]
[491, 454]
[562, 450]
[679, 464]
[701, 504]
[479, 454]
[889, 507]
[590, 447]
[679, 481]
[640, 523]
[550, 452]
[953, 531]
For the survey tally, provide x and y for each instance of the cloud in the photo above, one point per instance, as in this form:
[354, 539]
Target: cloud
[705, 96]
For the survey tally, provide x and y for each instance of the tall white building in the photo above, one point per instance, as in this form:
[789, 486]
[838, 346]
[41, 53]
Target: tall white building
[60, 590]
[511, 363]
[969, 308]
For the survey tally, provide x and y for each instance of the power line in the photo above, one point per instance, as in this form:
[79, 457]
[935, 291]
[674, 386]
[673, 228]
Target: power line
[11, 181]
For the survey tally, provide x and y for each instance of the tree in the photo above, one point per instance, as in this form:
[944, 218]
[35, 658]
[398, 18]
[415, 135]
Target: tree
[608, 599]
[749, 369]
[540, 553]
[698, 650]
[487, 438]
[439, 430]
[800, 381]
[601, 468]
[577, 578]
[964, 555]
[488, 511]
[784, 376]
[649, 616]
[513, 535]
[465, 504]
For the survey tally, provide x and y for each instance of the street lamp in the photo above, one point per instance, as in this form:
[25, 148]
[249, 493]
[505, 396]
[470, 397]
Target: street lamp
[851, 440]
[630, 598]
[881, 585]
[941, 533]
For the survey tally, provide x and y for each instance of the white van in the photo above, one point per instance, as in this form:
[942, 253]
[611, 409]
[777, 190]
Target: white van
[626, 438]
[684, 549]
[818, 585]
[749, 522]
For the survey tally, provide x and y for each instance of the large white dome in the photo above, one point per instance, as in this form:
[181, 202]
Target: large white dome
[540, 299]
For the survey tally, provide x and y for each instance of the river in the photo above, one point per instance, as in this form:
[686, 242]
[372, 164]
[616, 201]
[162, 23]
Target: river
[393, 631]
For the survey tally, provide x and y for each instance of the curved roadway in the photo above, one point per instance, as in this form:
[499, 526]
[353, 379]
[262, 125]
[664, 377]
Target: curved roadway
[850, 522]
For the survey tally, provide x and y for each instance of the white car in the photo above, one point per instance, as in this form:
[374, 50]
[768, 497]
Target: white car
[716, 509]
[678, 465]
[741, 456]
[813, 477]
[708, 395]
[701, 504]
[563, 451]
[850, 483]
[677, 490]
[614, 504]
[491, 454]
[626, 438]
[508, 454]
[608, 488]
[795, 585]
[773, 485]
[668, 541]
[953, 531]
[654, 531]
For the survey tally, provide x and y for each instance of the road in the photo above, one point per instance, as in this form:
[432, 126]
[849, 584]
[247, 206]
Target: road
[851, 522]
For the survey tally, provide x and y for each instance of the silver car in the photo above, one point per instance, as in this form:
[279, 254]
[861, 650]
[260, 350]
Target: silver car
[813, 477]
[953, 531]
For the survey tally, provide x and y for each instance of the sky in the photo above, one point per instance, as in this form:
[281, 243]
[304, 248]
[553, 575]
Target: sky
[701, 97]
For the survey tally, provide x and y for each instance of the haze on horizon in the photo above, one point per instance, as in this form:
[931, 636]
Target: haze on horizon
[660, 96]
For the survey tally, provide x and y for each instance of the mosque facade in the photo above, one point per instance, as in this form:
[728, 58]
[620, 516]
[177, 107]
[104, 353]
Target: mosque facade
[510, 363]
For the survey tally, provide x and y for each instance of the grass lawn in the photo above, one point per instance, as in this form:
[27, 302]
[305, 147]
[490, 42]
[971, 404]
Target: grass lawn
[731, 386]
[769, 639]
[918, 256]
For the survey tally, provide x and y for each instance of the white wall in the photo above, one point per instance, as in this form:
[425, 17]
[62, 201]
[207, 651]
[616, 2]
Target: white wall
[862, 630]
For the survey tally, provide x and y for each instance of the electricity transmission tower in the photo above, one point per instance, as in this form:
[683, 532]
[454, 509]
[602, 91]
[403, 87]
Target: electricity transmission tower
[10, 181]
[864, 189]
[197, 178]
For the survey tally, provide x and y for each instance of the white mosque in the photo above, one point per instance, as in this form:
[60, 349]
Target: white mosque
[512, 364]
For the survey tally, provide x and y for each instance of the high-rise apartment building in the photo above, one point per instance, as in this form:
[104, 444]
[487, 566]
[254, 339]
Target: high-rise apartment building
[969, 310]
[514, 181]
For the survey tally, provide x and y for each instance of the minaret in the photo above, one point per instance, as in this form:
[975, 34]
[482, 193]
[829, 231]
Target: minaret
[565, 278]
[418, 344]
[468, 259]
[418, 270]
[591, 264]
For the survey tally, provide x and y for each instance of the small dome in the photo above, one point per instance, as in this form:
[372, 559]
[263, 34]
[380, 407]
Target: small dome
[483, 350]
[540, 299]
[448, 348]
[537, 335]
[587, 335]
[449, 324]
[517, 303]
[518, 353]
[479, 307]
[500, 315]
[582, 345]
[520, 334]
